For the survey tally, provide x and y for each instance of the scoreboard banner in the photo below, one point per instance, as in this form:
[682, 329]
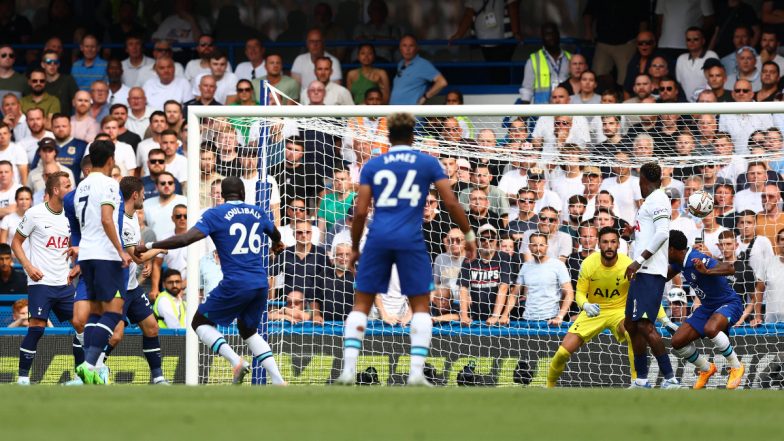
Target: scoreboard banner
[473, 360]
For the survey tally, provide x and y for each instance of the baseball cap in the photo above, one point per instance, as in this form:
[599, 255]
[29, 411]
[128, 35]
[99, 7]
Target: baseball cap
[677, 295]
[535, 173]
[711, 62]
[591, 170]
[673, 193]
[463, 163]
[487, 227]
[47, 143]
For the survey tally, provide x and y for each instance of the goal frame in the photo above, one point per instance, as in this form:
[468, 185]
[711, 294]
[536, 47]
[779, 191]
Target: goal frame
[505, 110]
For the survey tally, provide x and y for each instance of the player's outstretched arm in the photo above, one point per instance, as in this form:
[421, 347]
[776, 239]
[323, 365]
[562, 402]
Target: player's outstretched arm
[455, 210]
[16, 247]
[173, 242]
[360, 218]
[720, 269]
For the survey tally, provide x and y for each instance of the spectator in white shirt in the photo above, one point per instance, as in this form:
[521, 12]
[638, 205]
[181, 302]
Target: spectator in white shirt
[254, 67]
[175, 163]
[226, 81]
[559, 243]
[162, 49]
[201, 65]
[157, 126]
[747, 69]
[138, 113]
[303, 68]
[624, 187]
[158, 210]
[13, 116]
[751, 198]
[165, 86]
[741, 125]
[13, 153]
[335, 93]
[7, 189]
[136, 61]
[688, 68]
[678, 221]
[124, 157]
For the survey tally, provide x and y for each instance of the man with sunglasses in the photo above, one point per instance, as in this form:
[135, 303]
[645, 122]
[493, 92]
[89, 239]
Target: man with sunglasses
[158, 210]
[10, 80]
[60, 85]
[38, 97]
[741, 125]
[688, 68]
[559, 244]
[641, 60]
[176, 258]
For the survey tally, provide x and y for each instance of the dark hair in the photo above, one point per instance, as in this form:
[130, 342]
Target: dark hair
[607, 192]
[401, 128]
[373, 90]
[772, 63]
[130, 185]
[458, 93]
[696, 29]
[157, 113]
[577, 199]
[651, 171]
[217, 54]
[160, 152]
[745, 213]
[180, 206]
[100, 152]
[35, 70]
[171, 272]
[169, 132]
[164, 173]
[727, 234]
[59, 115]
[117, 106]
[538, 234]
[21, 190]
[52, 181]
[678, 240]
[86, 161]
[609, 230]
[5, 249]
[725, 185]
[175, 102]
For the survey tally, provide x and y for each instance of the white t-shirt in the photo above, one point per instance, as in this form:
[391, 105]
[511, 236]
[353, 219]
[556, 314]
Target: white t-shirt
[119, 97]
[176, 259]
[250, 189]
[49, 234]
[139, 125]
[741, 125]
[244, 69]
[224, 87]
[654, 212]
[679, 15]
[625, 194]
[142, 151]
[288, 239]
[557, 246]
[30, 144]
[748, 200]
[579, 134]
[688, 72]
[686, 226]
[512, 181]
[124, 156]
[92, 193]
[9, 223]
[17, 156]
[178, 167]
[304, 67]
[158, 93]
[131, 236]
[543, 281]
[148, 72]
[8, 197]
[158, 216]
[564, 186]
[712, 240]
[335, 95]
[130, 75]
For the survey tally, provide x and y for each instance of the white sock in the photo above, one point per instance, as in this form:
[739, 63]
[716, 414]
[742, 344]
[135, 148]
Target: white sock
[214, 339]
[80, 337]
[262, 351]
[99, 363]
[690, 354]
[353, 334]
[722, 344]
[421, 333]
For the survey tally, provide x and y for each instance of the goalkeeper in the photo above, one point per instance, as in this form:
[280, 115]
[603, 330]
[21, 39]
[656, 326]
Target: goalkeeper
[601, 294]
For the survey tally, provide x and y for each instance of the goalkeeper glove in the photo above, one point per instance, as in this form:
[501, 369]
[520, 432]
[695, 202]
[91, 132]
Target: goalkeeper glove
[591, 309]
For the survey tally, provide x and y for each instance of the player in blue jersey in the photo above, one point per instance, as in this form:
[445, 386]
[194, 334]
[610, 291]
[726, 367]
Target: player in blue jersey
[236, 229]
[719, 308]
[398, 182]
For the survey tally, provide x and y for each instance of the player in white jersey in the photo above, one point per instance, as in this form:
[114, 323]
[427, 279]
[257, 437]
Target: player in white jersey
[137, 308]
[648, 275]
[102, 258]
[48, 233]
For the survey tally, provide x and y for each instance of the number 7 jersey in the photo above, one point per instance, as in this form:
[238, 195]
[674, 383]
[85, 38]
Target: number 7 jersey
[238, 229]
[400, 180]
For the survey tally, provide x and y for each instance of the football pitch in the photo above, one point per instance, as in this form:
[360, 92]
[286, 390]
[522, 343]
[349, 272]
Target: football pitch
[389, 413]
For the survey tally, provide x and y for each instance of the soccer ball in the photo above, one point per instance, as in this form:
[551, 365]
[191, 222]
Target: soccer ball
[700, 203]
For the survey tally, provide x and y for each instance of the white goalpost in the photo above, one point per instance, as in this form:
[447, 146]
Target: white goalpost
[562, 143]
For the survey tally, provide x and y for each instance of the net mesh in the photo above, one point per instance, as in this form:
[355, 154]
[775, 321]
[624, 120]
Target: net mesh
[507, 172]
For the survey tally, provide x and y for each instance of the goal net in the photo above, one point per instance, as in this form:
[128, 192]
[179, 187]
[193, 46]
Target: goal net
[563, 170]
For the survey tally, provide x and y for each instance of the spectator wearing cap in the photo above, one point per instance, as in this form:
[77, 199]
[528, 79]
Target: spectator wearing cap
[537, 181]
[417, 80]
[677, 220]
[12, 280]
[13, 153]
[688, 68]
[741, 36]
[560, 244]
[746, 69]
[678, 304]
[47, 154]
[480, 179]
[526, 219]
[592, 181]
[462, 175]
[484, 281]
[716, 76]
[544, 284]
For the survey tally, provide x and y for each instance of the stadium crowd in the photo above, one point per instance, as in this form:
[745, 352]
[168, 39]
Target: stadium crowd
[535, 221]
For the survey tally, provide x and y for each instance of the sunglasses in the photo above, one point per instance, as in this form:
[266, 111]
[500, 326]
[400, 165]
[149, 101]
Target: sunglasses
[51, 61]
[164, 183]
[645, 43]
[400, 71]
[526, 200]
[38, 81]
[8, 55]
[548, 219]
[157, 161]
[244, 89]
[668, 88]
[742, 90]
[181, 216]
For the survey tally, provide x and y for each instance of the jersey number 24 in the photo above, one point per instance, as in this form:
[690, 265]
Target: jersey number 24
[408, 190]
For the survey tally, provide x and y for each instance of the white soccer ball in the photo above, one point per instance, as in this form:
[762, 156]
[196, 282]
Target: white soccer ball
[700, 203]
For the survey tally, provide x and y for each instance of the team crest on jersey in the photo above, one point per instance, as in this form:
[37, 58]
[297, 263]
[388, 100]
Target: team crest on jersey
[127, 236]
[71, 150]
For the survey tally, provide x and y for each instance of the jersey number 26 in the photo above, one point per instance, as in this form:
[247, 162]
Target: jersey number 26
[253, 240]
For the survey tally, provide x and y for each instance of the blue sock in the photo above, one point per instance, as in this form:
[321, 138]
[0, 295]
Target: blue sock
[27, 349]
[78, 352]
[89, 327]
[641, 366]
[151, 346]
[665, 366]
[100, 335]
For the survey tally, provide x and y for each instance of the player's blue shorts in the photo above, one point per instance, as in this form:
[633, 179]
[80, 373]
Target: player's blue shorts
[81, 291]
[44, 298]
[413, 268]
[229, 301]
[732, 310]
[645, 296]
[137, 305]
[104, 279]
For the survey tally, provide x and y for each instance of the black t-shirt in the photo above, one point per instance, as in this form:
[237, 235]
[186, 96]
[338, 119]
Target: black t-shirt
[491, 218]
[434, 232]
[300, 274]
[743, 281]
[300, 181]
[617, 21]
[16, 284]
[334, 293]
[727, 19]
[483, 278]
[131, 139]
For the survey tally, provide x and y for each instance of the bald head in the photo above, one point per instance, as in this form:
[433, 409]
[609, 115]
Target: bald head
[233, 189]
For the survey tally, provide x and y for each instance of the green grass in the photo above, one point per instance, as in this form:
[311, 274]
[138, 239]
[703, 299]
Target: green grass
[327, 413]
